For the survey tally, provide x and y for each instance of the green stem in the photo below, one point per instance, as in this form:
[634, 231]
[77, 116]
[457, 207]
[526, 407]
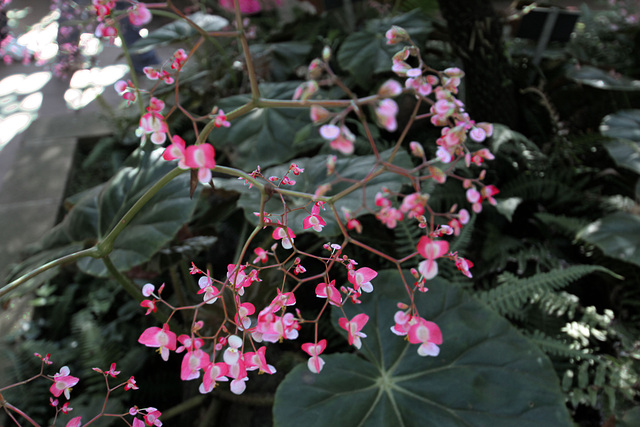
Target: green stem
[132, 71]
[105, 246]
[204, 134]
[123, 280]
[129, 286]
[92, 252]
[253, 79]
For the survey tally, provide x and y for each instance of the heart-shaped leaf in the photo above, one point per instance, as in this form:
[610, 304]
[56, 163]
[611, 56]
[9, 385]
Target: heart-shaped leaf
[315, 174]
[179, 30]
[264, 136]
[366, 53]
[487, 374]
[101, 208]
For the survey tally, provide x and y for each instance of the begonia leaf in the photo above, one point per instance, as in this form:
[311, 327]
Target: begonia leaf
[365, 53]
[179, 30]
[487, 374]
[624, 127]
[314, 175]
[618, 235]
[600, 79]
[101, 208]
[264, 136]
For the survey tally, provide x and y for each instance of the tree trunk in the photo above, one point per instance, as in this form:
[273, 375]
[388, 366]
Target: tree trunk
[475, 31]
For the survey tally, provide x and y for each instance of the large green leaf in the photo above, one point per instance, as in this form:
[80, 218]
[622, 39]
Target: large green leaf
[366, 52]
[101, 208]
[180, 30]
[487, 374]
[314, 175]
[264, 136]
[624, 126]
[595, 77]
[618, 235]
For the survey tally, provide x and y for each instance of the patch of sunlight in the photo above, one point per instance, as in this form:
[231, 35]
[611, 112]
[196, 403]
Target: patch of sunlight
[78, 98]
[41, 38]
[32, 102]
[33, 82]
[89, 44]
[13, 125]
[86, 85]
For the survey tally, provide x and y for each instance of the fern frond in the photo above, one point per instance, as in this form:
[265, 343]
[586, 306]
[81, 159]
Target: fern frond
[513, 292]
[569, 226]
[461, 243]
[559, 304]
[557, 347]
[531, 187]
[407, 235]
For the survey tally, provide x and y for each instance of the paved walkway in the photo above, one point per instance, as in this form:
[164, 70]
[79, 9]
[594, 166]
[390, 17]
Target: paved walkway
[35, 163]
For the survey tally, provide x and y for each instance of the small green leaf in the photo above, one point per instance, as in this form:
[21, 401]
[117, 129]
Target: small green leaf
[179, 30]
[486, 373]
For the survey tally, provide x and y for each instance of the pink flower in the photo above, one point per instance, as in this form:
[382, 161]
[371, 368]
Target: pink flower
[201, 157]
[153, 124]
[319, 114]
[163, 339]
[206, 287]
[286, 235]
[131, 384]
[242, 316]
[193, 361]
[150, 305]
[233, 353]
[428, 335]
[354, 327]
[62, 383]
[324, 290]
[262, 255]
[257, 360]
[315, 363]
[361, 278]
[139, 15]
[431, 250]
[248, 7]
[152, 417]
[389, 89]
[221, 120]
[75, 422]
[212, 373]
[314, 220]
[126, 90]
[179, 58]
[396, 35]
[176, 151]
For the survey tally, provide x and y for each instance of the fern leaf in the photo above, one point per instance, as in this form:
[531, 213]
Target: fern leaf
[407, 236]
[557, 347]
[569, 225]
[461, 243]
[513, 292]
